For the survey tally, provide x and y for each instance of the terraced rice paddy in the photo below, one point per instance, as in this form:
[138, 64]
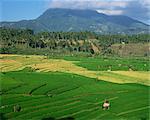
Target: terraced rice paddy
[63, 89]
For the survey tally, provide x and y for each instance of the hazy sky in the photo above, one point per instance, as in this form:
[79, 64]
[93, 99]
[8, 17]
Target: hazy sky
[14, 10]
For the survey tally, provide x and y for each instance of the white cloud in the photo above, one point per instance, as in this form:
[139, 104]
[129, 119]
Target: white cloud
[145, 2]
[86, 4]
[139, 9]
[111, 12]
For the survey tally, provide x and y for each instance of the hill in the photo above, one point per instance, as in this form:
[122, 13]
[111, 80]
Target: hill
[18, 41]
[57, 19]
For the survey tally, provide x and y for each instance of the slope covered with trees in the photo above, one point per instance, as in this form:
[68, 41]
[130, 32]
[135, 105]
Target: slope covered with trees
[25, 41]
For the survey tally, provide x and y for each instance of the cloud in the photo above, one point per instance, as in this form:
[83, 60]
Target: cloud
[111, 12]
[86, 4]
[138, 9]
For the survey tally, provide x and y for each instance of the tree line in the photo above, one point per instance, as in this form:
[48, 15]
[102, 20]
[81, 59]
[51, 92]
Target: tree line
[13, 40]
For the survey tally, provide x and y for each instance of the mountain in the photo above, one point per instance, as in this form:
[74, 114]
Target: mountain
[58, 19]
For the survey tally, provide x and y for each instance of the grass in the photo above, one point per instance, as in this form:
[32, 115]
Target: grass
[79, 97]
[101, 69]
[71, 87]
[114, 64]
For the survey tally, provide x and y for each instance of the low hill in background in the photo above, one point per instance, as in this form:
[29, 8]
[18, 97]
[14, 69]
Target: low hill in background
[18, 41]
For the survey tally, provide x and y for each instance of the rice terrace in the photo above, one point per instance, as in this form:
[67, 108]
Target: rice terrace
[68, 88]
[74, 60]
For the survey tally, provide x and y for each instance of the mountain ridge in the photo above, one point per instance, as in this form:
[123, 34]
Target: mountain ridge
[60, 19]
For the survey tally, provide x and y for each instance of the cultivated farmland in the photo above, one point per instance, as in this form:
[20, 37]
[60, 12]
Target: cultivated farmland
[74, 88]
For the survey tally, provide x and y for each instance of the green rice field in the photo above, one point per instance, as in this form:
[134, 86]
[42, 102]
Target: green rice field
[70, 89]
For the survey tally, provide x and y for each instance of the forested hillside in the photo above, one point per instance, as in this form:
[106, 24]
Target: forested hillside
[67, 20]
[25, 41]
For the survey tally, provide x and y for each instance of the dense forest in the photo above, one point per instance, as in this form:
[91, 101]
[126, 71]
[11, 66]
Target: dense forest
[25, 41]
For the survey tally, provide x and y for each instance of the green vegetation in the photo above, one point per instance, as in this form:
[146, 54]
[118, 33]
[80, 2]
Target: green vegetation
[62, 95]
[110, 63]
[75, 75]
[135, 71]
[18, 41]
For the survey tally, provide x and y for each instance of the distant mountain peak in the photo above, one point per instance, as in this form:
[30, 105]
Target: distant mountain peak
[62, 19]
